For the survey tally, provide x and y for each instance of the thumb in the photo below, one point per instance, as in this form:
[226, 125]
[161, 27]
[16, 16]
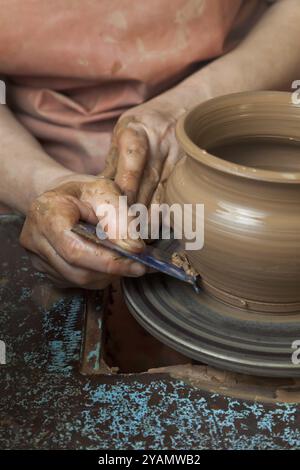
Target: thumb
[133, 148]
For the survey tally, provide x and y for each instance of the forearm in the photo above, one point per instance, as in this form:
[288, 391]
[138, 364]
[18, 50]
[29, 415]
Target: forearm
[268, 58]
[25, 169]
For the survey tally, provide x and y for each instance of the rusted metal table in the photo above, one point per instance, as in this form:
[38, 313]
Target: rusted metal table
[46, 402]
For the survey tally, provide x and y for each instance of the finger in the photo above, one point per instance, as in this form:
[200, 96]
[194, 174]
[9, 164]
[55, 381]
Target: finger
[173, 157]
[158, 195]
[81, 253]
[150, 180]
[112, 213]
[77, 268]
[94, 281]
[70, 251]
[42, 266]
[86, 211]
[111, 161]
[47, 259]
[133, 150]
[80, 278]
[55, 227]
[53, 221]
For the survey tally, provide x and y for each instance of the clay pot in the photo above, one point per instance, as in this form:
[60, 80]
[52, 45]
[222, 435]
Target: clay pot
[242, 161]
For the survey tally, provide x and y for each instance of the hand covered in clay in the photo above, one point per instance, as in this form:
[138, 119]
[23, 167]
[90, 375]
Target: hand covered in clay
[144, 150]
[66, 257]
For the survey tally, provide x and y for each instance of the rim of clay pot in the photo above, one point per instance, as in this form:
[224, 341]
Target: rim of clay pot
[244, 101]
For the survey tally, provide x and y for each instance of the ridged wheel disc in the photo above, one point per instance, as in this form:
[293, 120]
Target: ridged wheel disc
[212, 332]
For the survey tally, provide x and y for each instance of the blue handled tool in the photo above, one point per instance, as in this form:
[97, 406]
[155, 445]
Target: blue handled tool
[153, 257]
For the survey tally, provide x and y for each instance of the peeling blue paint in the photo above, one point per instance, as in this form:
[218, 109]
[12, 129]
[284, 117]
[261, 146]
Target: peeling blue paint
[195, 420]
[94, 356]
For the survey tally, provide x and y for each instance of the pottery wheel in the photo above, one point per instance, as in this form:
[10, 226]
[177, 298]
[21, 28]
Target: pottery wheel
[212, 332]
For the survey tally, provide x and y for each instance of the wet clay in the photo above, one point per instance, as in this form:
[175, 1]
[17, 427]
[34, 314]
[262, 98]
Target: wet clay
[242, 161]
[181, 261]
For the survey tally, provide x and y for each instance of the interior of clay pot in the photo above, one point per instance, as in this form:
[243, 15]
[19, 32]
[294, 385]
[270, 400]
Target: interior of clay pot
[259, 130]
[261, 153]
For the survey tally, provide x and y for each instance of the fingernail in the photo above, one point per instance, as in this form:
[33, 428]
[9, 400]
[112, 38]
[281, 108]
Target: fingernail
[137, 269]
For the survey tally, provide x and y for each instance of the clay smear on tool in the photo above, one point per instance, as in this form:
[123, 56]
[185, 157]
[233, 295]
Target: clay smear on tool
[181, 261]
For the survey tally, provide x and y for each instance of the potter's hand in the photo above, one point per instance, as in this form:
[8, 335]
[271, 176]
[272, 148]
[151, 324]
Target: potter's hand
[64, 255]
[144, 150]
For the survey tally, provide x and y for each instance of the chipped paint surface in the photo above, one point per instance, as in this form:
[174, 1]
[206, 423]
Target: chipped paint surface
[70, 411]
[40, 326]
[45, 403]
[173, 416]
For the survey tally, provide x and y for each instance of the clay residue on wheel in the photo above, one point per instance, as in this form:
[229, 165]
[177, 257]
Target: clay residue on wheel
[234, 384]
[181, 261]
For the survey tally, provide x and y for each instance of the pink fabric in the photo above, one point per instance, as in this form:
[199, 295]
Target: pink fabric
[77, 65]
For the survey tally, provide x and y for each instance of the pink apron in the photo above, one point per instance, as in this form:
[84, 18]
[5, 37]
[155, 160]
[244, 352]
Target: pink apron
[73, 66]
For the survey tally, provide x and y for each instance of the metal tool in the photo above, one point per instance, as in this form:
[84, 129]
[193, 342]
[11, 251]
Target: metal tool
[155, 258]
